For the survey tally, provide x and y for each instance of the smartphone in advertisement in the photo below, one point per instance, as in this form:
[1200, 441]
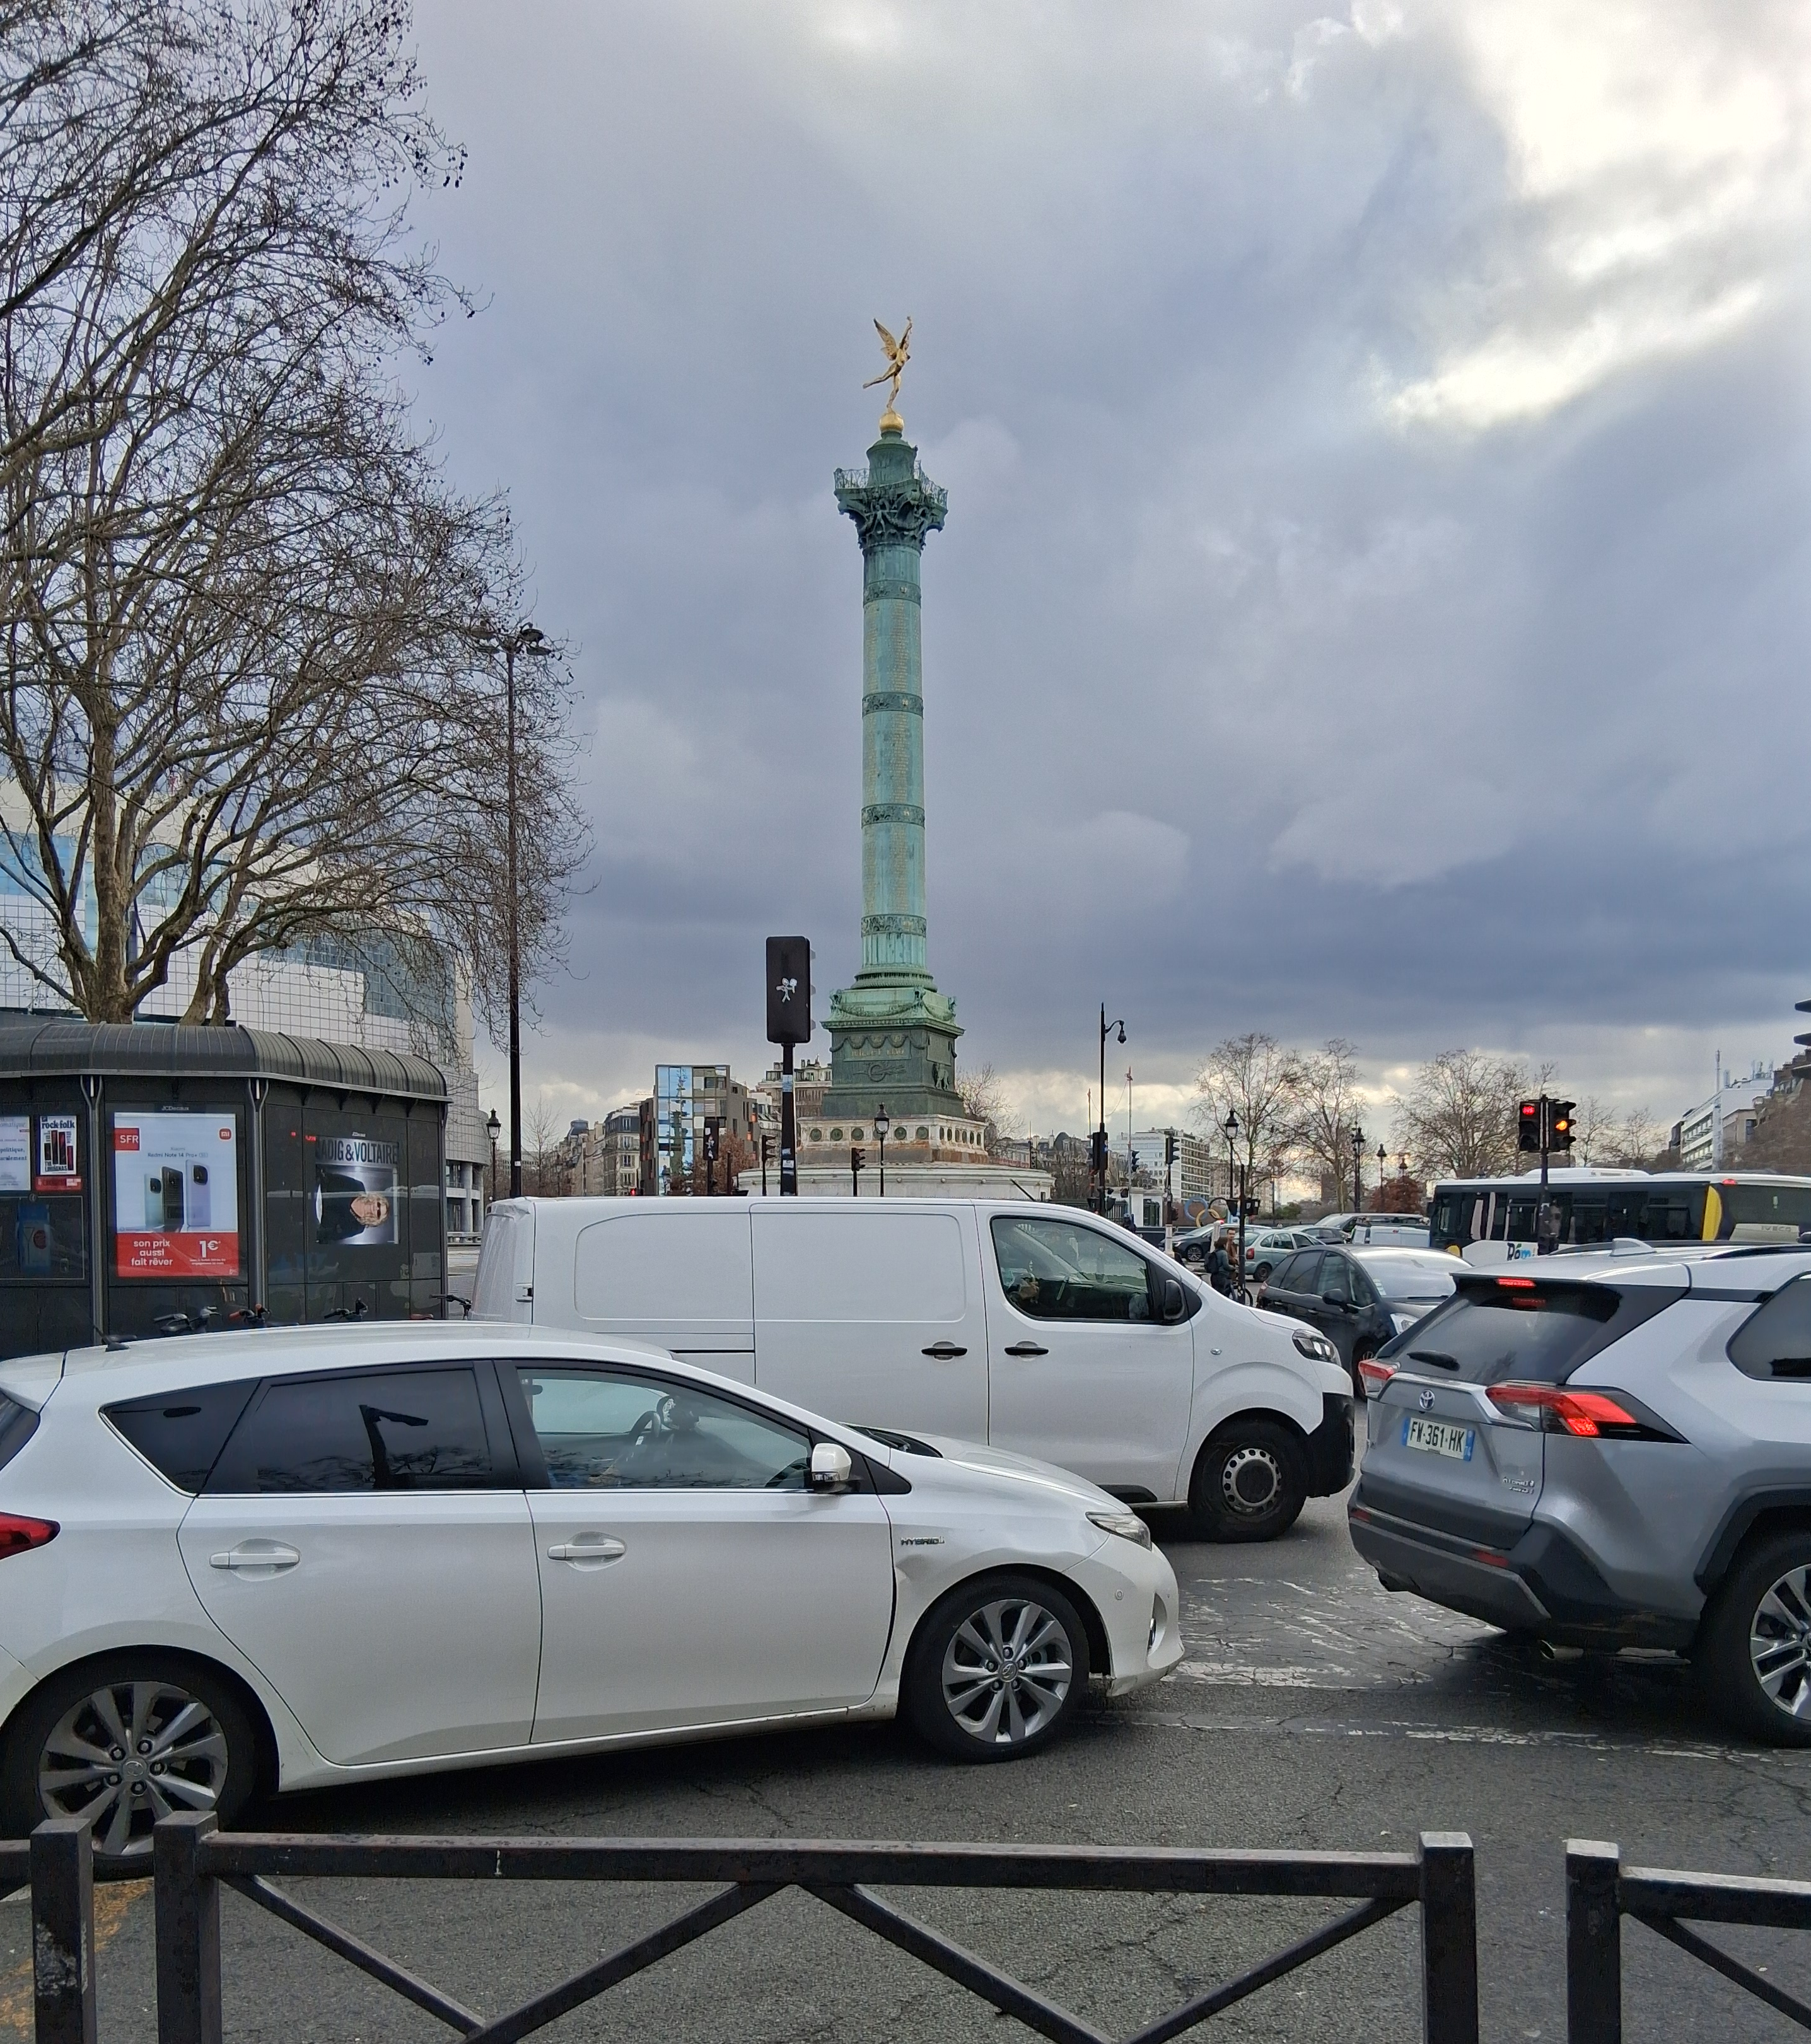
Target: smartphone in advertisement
[201, 1202]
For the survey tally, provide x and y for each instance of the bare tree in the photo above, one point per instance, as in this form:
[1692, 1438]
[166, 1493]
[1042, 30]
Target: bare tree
[983, 1097]
[1458, 1119]
[1604, 1137]
[1254, 1077]
[543, 1177]
[250, 675]
[1323, 1110]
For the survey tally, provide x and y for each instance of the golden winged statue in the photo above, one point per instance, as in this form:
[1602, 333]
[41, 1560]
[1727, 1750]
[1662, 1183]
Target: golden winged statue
[898, 354]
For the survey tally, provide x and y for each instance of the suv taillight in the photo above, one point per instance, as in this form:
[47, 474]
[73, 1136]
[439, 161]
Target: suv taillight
[19, 1536]
[1589, 1414]
[1375, 1374]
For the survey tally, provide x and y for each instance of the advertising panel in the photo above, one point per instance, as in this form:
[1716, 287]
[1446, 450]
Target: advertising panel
[355, 1191]
[15, 1153]
[176, 1194]
[56, 1163]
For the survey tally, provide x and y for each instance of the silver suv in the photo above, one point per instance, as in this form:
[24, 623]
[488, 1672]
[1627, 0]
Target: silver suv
[1609, 1451]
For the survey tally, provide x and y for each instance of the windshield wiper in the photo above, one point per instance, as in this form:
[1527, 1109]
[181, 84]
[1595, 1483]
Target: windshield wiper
[1433, 1355]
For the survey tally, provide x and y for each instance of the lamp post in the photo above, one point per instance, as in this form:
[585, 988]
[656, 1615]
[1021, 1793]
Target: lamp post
[1383, 1163]
[883, 1121]
[1232, 1127]
[1107, 1028]
[494, 1129]
[531, 644]
[1357, 1168]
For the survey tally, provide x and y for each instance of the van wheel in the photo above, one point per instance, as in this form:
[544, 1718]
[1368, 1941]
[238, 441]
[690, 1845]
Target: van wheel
[122, 1741]
[996, 1669]
[1250, 1481]
[1754, 1656]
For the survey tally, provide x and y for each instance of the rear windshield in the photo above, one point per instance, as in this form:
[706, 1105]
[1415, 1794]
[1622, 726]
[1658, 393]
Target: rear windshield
[1500, 1331]
[18, 1425]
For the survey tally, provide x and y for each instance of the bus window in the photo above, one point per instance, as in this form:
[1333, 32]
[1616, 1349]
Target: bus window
[1589, 1219]
[1519, 1213]
[1764, 1213]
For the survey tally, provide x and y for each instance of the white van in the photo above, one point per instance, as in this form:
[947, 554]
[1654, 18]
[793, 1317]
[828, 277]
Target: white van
[1042, 1329]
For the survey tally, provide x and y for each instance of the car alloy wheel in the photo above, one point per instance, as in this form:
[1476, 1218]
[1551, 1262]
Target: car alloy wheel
[1779, 1644]
[1753, 1652]
[128, 1753]
[996, 1669]
[122, 1741]
[1007, 1671]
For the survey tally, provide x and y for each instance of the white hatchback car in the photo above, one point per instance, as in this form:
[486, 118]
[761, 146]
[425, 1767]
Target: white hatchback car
[303, 1557]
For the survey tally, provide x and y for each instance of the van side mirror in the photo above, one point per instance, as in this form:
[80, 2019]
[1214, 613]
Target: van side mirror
[832, 1467]
[1174, 1300]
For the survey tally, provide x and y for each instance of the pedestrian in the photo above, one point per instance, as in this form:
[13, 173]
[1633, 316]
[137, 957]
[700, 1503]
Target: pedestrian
[1219, 1266]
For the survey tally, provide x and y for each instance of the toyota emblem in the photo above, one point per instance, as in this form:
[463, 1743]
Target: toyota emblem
[1427, 1401]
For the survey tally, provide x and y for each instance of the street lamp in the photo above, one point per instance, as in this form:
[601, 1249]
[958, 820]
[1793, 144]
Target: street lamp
[1382, 1162]
[531, 643]
[1231, 1125]
[883, 1121]
[1107, 1029]
[494, 1129]
[1357, 1168]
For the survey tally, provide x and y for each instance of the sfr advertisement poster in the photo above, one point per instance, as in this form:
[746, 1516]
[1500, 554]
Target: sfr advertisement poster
[176, 1195]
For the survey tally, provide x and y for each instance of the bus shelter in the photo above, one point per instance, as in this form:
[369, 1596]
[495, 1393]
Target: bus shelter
[155, 1177]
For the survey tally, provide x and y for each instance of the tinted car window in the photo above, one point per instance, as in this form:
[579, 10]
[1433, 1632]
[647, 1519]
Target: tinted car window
[397, 1430]
[1504, 1331]
[1775, 1340]
[601, 1430]
[1057, 1270]
[1303, 1272]
[181, 1433]
[18, 1425]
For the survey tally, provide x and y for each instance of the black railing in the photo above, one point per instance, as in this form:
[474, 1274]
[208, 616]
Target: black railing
[1601, 1891]
[193, 1862]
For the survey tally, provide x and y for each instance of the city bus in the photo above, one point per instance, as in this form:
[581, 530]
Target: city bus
[1587, 1205]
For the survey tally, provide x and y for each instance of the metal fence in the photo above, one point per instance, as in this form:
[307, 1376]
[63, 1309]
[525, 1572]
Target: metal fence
[1601, 1891]
[192, 1863]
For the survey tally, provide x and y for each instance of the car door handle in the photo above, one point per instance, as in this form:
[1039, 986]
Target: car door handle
[1027, 1348]
[943, 1350]
[263, 1558]
[591, 1550]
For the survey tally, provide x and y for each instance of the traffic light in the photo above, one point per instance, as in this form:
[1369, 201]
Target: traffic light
[856, 1160]
[710, 1140]
[1169, 1154]
[1560, 1123]
[789, 989]
[1527, 1124]
[1098, 1152]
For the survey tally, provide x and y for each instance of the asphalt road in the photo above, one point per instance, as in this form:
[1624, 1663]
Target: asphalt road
[1313, 1709]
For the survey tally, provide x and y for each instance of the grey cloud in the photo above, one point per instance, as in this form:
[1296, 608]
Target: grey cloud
[1240, 655]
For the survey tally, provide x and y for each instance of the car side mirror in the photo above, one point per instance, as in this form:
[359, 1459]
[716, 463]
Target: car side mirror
[832, 1467]
[1333, 1299]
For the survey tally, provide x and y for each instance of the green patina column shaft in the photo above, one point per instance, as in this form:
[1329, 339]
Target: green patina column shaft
[892, 1035]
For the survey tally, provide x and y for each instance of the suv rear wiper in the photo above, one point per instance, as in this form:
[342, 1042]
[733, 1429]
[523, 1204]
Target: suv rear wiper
[1433, 1355]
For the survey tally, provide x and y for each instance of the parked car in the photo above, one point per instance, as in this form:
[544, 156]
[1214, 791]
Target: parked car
[1389, 1231]
[1359, 1298]
[1044, 1330]
[308, 1557]
[1611, 1451]
[1267, 1247]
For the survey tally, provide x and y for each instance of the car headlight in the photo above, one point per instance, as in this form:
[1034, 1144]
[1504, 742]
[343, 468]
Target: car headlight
[1316, 1346]
[1128, 1525]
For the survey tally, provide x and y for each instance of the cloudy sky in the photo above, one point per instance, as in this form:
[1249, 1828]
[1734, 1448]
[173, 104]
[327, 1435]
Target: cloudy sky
[1373, 601]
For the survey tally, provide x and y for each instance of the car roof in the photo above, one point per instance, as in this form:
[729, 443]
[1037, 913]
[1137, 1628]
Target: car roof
[1400, 1256]
[175, 1361]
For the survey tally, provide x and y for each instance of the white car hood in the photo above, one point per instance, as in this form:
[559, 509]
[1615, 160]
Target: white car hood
[996, 1465]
